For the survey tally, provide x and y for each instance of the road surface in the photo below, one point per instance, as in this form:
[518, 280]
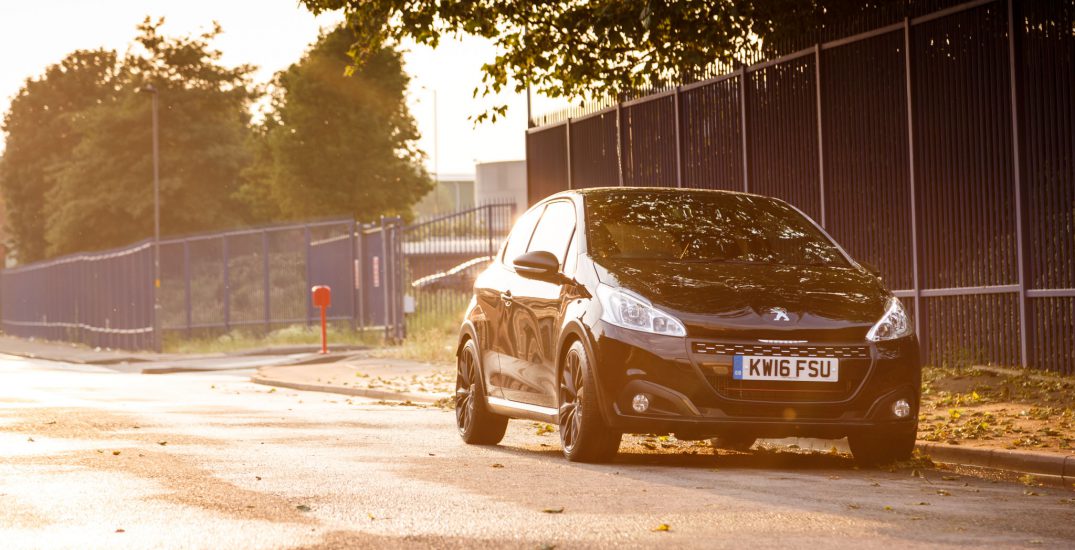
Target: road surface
[93, 458]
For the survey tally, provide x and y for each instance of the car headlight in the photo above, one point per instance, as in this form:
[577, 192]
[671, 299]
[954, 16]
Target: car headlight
[636, 313]
[893, 324]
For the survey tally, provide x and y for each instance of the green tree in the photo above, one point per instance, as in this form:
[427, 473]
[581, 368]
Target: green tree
[43, 128]
[588, 48]
[338, 144]
[103, 195]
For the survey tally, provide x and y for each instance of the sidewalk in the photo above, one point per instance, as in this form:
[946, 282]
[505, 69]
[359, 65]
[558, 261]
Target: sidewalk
[164, 363]
[377, 378]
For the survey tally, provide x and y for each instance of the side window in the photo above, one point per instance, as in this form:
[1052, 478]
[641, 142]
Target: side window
[520, 234]
[554, 231]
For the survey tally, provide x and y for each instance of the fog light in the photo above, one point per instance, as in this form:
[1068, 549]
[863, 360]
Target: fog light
[901, 408]
[640, 403]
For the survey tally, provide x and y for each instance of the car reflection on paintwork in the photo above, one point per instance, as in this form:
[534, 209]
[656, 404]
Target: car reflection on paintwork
[460, 278]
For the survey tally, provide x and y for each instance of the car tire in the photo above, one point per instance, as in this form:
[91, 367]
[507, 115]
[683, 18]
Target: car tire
[583, 433]
[741, 443]
[477, 425]
[882, 446]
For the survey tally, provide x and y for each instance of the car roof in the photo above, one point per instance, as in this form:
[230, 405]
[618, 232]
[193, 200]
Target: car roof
[661, 190]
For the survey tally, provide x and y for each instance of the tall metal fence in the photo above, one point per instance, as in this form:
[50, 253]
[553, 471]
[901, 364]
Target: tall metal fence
[254, 279]
[934, 139]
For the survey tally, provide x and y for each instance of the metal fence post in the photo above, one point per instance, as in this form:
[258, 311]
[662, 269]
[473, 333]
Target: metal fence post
[309, 277]
[355, 274]
[820, 134]
[570, 168]
[489, 227]
[743, 126]
[227, 285]
[267, 280]
[619, 140]
[1017, 181]
[384, 282]
[679, 148]
[919, 313]
[360, 289]
[186, 290]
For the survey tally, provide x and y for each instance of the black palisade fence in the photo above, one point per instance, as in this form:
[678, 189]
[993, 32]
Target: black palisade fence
[934, 139]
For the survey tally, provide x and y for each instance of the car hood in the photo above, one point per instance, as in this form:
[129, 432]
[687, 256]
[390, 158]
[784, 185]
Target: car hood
[722, 298]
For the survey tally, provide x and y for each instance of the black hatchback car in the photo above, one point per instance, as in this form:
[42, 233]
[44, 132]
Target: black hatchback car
[707, 314]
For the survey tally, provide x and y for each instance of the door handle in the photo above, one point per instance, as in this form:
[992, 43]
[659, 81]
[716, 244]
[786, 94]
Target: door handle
[506, 298]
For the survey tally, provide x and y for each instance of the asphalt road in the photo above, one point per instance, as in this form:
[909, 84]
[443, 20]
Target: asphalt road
[90, 458]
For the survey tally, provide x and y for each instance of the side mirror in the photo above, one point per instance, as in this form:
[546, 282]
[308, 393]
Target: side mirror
[539, 265]
[871, 268]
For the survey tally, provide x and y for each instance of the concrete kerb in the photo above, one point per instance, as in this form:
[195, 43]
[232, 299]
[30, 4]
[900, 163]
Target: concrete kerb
[1051, 468]
[360, 392]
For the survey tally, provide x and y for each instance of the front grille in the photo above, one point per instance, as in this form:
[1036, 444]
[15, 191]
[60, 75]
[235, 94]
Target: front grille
[854, 365]
[783, 350]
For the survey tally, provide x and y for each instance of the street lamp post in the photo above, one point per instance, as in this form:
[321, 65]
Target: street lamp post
[157, 340]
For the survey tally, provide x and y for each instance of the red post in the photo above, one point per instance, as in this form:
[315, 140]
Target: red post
[322, 299]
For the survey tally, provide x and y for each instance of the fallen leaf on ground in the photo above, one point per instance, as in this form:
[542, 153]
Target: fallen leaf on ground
[120, 531]
[498, 465]
[115, 453]
[553, 510]
[162, 443]
[662, 527]
[853, 506]
[30, 439]
[302, 508]
[888, 508]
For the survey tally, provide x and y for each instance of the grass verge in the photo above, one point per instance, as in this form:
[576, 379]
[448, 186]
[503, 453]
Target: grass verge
[240, 340]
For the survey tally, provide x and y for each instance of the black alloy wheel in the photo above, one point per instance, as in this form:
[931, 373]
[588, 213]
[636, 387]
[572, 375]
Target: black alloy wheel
[583, 433]
[477, 426]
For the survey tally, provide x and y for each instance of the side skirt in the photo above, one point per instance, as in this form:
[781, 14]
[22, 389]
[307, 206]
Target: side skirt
[516, 409]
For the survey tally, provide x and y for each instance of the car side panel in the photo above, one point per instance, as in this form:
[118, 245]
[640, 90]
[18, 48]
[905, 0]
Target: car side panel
[487, 315]
[529, 371]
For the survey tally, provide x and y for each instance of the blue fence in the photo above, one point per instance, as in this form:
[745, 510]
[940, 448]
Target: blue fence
[103, 299]
[256, 279]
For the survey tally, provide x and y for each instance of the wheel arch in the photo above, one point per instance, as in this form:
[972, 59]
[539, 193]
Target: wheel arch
[574, 331]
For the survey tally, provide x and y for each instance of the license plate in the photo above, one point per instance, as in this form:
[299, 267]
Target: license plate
[789, 369]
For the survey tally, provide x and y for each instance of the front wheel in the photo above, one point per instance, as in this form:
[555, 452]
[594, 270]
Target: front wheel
[583, 433]
[882, 446]
[477, 425]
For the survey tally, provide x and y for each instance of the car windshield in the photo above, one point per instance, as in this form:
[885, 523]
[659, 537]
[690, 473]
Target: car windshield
[703, 227]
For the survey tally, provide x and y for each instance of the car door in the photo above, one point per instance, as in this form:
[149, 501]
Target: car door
[529, 371]
[491, 291]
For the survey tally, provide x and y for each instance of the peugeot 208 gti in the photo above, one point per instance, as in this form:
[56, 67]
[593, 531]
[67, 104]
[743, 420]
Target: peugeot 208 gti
[707, 314]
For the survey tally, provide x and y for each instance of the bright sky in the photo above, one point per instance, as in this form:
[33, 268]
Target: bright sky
[270, 34]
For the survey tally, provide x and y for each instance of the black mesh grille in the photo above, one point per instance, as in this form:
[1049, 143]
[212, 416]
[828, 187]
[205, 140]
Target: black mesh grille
[783, 350]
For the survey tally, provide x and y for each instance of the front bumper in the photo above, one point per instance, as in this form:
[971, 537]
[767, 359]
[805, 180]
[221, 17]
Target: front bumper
[690, 395]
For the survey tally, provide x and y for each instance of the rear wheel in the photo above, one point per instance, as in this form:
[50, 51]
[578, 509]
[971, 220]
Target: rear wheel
[477, 426]
[882, 446]
[583, 433]
[741, 443]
